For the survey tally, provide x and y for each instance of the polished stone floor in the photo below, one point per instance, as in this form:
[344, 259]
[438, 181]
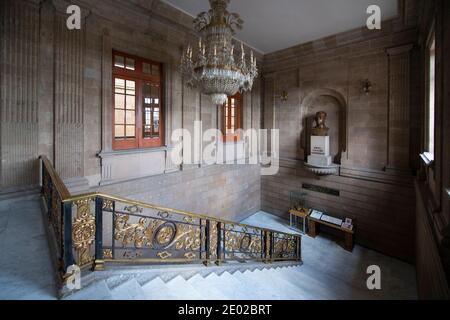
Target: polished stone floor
[329, 272]
[25, 267]
[345, 273]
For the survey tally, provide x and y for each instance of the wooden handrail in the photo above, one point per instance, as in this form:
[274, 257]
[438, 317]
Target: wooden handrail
[58, 183]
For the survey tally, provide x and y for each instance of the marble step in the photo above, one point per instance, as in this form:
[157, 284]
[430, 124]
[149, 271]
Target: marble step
[204, 285]
[130, 290]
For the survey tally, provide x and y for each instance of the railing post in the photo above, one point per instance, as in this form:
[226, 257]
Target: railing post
[207, 262]
[68, 245]
[299, 248]
[99, 264]
[272, 246]
[49, 198]
[219, 244]
[262, 246]
[267, 246]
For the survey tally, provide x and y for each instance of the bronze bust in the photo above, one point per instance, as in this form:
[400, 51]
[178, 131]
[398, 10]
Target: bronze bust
[320, 129]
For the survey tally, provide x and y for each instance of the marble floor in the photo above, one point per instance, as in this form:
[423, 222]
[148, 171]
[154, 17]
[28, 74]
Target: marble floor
[26, 271]
[329, 272]
[346, 272]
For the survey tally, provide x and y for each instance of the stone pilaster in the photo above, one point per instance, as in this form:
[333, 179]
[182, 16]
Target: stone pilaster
[19, 54]
[399, 108]
[69, 99]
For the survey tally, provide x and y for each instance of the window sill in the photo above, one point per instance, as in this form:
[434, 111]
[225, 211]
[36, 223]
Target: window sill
[231, 143]
[427, 158]
[108, 154]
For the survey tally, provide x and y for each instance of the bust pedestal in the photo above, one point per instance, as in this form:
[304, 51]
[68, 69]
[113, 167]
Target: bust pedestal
[320, 151]
[320, 161]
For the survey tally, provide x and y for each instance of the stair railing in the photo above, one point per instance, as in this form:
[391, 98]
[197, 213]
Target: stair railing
[95, 229]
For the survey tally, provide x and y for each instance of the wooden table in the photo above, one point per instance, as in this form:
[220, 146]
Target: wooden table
[299, 214]
[313, 226]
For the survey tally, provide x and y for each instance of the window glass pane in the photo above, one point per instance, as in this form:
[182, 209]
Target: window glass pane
[155, 123]
[155, 70]
[130, 64]
[147, 68]
[119, 101]
[128, 100]
[154, 91]
[120, 131]
[131, 87]
[147, 122]
[431, 99]
[147, 131]
[148, 116]
[131, 102]
[130, 117]
[146, 92]
[119, 117]
[119, 85]
[130, 131]
[119, 61]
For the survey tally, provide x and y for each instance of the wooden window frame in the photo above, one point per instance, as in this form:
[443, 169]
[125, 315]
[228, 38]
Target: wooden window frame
[430, 135]
[232, 137]
[137, 75]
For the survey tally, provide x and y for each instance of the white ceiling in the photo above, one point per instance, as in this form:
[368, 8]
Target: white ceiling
[272, 25]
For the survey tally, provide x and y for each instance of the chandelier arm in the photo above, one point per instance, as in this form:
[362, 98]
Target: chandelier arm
[213, 69]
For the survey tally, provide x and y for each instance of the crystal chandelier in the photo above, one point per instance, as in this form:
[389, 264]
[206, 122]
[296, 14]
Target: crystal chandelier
[213, 66]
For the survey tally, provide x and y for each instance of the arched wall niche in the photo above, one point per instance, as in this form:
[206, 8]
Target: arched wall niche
[335, 105]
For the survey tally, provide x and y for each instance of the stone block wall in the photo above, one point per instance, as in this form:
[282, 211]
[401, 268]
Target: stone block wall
[231, 192]
[57, 101]
[382, 205]
[375, 136]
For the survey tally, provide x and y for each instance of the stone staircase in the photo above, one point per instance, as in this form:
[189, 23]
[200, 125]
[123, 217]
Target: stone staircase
[328, 272]
[197, 283]
[287, 281]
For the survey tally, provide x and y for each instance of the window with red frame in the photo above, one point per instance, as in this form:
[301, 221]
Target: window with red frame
[138, 116]
[232, 118]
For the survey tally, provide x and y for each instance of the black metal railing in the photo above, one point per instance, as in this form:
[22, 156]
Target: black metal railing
[96, 229]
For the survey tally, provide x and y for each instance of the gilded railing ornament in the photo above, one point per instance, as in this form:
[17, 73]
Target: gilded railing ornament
[285, 247]
[213, 239]
[55, 216]
[83, 232]
[164, 214]
[164, 255]
[108, 254]
[268, 244]
[145, 237]
[188, 238]
[128, 233]
[132, 255]
[108, 205]
[133, 209]
[242, 242]
[190, 255]
[165, 234]
[157, 234]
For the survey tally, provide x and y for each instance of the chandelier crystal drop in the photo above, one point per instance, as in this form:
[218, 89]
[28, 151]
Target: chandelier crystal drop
[213, 66]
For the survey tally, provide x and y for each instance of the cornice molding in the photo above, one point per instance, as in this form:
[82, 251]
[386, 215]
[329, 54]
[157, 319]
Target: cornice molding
[36, 2]
[399, 49]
